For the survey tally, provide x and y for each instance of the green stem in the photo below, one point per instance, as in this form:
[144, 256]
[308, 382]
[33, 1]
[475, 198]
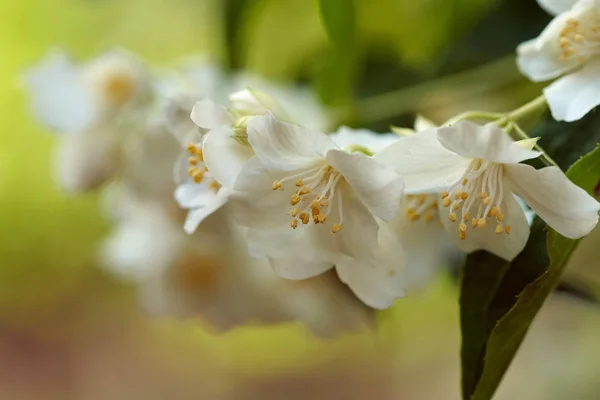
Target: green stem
[474, 115]
[537, 104]
[387, 105]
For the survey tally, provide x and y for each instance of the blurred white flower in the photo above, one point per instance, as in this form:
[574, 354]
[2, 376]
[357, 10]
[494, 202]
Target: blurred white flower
[569, 46]
[478, 169]
[209, 275]
[96, 105]
[70, 97]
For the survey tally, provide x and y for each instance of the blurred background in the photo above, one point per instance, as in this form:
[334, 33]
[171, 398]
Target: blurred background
[68, 330]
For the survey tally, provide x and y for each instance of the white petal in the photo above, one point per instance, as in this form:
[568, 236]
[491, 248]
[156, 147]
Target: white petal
[488, 142]
[574, 95]
[253, 202]
[501, 244]
[253, 102]
[565, 207]
[209, 115]
[346, 137]
[423, 163]
[286, 147]
[427, 248]
[356, 239]
[58, 96]
[177, 115]
[289, 253]
[528, 144]
[224, 156]
[88, 159]
[422, 123]
[555, 7]
[197, 215]
[377, 185]
[377, 284]
[190, 195]
[270, 243]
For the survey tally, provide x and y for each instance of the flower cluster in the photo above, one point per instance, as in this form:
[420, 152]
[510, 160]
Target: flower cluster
[272, 196]
[308, 204]
[121, 125]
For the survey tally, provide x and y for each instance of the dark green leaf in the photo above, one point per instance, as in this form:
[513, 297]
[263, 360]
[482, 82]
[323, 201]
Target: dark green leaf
[499, 300]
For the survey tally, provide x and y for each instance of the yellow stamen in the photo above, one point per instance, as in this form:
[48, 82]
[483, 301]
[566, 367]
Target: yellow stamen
[322, 218]
[324, 202]
[295, 199]
[294, 223]
[336, 228]
[445, 194]
[305, 218]
[507, 229]
[452, 217]
[481, 223]
[464, 195]
[304, 190]
[299, 183]
[446, 202]
[276, 185]
[462, 227]
[466, 217]
[294, 212]
[499, 229]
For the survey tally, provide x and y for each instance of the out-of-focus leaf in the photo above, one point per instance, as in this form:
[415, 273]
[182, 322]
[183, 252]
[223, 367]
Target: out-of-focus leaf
[335, 79]
[339, 19]
[499, 300]
[416, 31]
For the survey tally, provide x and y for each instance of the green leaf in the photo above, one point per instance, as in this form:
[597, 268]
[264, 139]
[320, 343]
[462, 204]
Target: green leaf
[499, 300]
[338, 70]
[339, 19]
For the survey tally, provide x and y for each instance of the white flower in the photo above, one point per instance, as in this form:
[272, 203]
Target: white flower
[70, 98]
[300, 178]
[96, 106]
[478, 168]
[569, 46]
[216, 155]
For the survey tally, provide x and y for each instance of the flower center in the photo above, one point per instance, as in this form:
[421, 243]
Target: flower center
[197, 169]
[314, 196]
[118, 89]
[422, 205]
[196, 273]
[580, 38]
[479, 193]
